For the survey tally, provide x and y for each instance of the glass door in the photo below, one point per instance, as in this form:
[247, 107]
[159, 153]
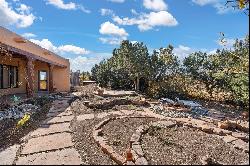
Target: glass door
[43, 81]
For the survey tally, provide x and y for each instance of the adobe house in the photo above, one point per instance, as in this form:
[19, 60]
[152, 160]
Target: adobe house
[28, 68]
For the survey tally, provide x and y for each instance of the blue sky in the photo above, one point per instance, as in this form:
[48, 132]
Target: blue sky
[86, 31]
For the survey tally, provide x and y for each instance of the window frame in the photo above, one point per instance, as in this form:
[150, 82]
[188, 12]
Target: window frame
[39, 79]
[9, 76]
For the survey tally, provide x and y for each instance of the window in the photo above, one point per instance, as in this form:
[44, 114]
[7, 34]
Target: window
[13, 77]
[8, 77]
[43, 82]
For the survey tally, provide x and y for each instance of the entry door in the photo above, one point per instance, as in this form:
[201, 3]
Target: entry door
[43, 81]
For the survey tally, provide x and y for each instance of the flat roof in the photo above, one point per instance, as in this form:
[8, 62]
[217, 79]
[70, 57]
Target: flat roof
[17, 43]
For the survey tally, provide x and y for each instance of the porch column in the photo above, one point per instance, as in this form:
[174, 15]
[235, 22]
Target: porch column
[51, 81]
[30, 77]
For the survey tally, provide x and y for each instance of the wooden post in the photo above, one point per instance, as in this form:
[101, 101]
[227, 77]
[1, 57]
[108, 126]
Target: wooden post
[51, 81]
[30, 77]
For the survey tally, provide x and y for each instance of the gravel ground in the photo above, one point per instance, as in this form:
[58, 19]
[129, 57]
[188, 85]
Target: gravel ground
[179, 146]
[10, 135]
[80, 108]
[89, 151]
[120, 131]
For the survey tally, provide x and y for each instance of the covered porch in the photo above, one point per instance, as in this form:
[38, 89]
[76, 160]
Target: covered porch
[25, 73]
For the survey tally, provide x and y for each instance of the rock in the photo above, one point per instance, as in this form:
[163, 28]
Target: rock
[85, 117]
[107, 149]
[242, 136]
[188, 103]
[47, 143]
[221, 132]
[130, 163]
[18, 111]
[167, 101]
[8, 156]
[199, 111]
[51, 129]
[223, 125]
[242, 125]
[207, 129]
[60, 119]
[239, 144]
[229, 139]
[138, 150]
[141, 161]
[135, 137]
[58, 157]
[118, 158]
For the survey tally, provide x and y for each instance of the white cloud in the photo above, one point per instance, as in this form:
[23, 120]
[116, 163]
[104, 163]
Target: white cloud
[117, 1]
[61, 5]
[148, 21]
[205, 2]
[20, 17]
[219, 5]
[156, 5]
[83, 63]
[182, 52]
[28, 35]
[105, 12]
[67, 6]
[112, 40]
[108, 28]
[73, 49]
[116, 34]
[62, 50]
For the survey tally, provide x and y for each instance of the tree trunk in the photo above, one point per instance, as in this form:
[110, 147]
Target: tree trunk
[138, 84]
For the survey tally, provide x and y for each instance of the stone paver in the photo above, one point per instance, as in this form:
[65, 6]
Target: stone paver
[7, 156]
[229, 138]
[102, 115]
[50, 129]
[116, 113]
[59, 157]
[62, 119]
[57, 110]
[85, 117]
[46, 143]
[127, 112]
[65, 113]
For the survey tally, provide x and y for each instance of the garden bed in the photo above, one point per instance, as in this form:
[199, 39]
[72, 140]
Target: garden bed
[118, 132]
[10, 134]
[83, 140]
[183, 145]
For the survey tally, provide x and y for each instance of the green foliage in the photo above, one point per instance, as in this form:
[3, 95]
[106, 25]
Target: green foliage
[85, 76]
[220, 76]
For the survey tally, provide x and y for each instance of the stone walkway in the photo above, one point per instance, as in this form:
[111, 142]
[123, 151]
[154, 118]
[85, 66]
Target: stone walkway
[48, 145]
[51, 144]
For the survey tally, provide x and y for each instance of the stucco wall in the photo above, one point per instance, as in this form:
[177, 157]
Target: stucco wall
[62, 78]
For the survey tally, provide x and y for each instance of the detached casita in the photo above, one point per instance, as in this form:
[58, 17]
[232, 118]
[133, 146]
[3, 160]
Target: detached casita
[27, 68]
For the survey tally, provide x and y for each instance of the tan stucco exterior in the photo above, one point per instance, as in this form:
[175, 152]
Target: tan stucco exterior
[42, 60]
